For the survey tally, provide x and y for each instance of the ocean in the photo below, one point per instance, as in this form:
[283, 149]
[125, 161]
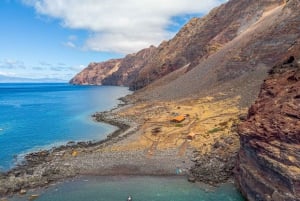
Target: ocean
[40, 116]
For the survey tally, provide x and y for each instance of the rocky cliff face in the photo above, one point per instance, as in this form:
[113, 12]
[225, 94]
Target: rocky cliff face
[120, 72]
[129, 68]
[268, 167]
[194, 43]
[96, 72]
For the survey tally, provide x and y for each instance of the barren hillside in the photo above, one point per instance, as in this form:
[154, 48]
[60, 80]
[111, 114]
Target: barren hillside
[235, 43]
[240, 65]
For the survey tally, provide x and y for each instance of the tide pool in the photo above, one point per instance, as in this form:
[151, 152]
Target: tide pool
[118, 188]
[40, 116]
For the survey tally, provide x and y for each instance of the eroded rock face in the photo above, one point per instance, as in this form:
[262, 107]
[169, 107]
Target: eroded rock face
[96, 72]
[195, 42]
[268, 166]
[119, 72]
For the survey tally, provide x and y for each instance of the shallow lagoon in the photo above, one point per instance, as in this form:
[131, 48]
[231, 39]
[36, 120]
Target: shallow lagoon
[140, 188]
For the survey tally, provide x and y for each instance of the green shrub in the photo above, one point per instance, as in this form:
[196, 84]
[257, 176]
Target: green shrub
[214, 130]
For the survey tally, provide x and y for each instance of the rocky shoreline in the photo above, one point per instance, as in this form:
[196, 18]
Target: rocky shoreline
[33, 172]
[42, 168]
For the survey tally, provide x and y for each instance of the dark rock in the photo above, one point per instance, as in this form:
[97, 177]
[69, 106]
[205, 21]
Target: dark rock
[71, 143]
[29, 171]
[270, 139]
[191, 179]
[17, 173]
[3, 191]
[213, 168]
[229, 140]
[243, 117]
[216, 145]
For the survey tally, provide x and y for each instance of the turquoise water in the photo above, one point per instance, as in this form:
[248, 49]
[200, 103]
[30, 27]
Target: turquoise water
[140, 188]
[38, 116]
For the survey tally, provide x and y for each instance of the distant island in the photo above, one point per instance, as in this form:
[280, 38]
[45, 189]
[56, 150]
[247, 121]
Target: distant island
[9, 79]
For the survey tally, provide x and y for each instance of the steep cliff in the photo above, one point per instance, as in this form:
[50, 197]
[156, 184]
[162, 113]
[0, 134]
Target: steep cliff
[194, 43]
[96, 72]
[268, 166]
[129, 68]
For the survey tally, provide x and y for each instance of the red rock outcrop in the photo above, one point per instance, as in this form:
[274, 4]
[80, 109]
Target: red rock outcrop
[268, 167]
[129, 68]
[96, 72]
[120, 72]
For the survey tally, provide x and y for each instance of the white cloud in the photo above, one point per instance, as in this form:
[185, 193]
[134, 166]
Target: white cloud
[43, 63]
[7, 73]
[72, 38]
[12, 64]
[69, 44]
[17, 68]
[77, 68]
[121, 25]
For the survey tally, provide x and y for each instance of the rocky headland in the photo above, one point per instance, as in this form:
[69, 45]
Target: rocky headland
[268, 166]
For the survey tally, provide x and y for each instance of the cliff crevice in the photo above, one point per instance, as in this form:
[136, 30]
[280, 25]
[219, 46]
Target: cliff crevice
[268, 166]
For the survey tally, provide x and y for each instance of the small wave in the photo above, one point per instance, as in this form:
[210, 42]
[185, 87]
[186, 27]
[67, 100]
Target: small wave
[15, 105]
[19, 158]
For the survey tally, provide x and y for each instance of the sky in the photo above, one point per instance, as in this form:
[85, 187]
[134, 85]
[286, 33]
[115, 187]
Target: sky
[58, 38]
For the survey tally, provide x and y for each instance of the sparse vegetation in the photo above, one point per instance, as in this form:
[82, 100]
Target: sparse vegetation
[206, 116]
[214, 130]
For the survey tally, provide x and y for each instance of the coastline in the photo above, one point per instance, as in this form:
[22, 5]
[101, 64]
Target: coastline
[42, 168]
[124, 153]
[34, 159]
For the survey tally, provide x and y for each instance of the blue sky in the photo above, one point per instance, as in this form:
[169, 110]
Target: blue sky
[58, 38]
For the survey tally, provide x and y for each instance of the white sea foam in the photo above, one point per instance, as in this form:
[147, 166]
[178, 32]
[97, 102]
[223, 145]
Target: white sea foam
[20, 157]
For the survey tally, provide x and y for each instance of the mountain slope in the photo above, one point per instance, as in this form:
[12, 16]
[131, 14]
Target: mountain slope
[196, 41]
[239, 66]
[226, 53]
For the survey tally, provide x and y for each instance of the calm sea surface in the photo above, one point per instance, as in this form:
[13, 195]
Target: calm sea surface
[39, 116]
[140, 188]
